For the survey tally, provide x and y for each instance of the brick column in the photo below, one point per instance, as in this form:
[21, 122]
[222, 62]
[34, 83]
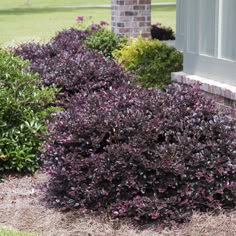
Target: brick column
[131, 17]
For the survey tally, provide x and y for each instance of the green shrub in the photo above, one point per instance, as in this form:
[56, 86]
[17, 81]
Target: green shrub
[151, 60]
[24, 104]
[105, 41]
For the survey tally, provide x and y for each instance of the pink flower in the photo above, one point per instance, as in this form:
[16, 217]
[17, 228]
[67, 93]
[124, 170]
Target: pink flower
[79, 19]
[156, 25]
[103, 23]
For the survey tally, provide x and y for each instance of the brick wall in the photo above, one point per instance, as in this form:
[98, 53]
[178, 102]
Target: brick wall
[131, 17]
[223, 94]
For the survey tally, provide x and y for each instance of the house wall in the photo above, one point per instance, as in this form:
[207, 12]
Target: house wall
[131, 17]
[206, 34]
[210, 39]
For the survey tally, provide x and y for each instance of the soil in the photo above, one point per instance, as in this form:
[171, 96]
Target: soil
[21, 208]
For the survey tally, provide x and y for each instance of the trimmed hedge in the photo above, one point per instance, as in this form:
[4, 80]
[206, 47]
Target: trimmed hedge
[149, 155]
[68, 64]
[146, 154]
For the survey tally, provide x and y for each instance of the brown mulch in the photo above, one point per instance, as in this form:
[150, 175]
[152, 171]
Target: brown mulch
[22, 209]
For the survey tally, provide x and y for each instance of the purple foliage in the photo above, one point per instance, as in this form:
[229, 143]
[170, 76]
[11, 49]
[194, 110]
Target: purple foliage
[161, 32]
[69, 40]
[144, 154]
[84, 70]
[68, 64]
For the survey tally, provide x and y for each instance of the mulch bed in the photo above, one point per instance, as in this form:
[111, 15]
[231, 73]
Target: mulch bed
[21, 208]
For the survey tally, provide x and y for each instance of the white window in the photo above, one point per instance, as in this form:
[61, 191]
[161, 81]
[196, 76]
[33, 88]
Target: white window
[208, 38]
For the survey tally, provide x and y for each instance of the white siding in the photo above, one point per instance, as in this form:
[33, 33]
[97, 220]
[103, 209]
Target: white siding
[208, 27]
[180, 8]
[228, 43]
[192, 34]
[208, 38]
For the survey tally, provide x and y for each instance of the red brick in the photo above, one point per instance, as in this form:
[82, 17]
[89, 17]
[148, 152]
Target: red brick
[124, 12]
[225, 98]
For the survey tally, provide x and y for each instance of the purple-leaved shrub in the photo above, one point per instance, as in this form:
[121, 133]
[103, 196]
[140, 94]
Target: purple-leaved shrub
[65, 62]
[83, 70]
[70, 40]
[161, 32]
[149, 155]
[67, 40]
[133, 152]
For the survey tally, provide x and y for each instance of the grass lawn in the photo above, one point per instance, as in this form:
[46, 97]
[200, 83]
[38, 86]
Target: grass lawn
[164, 15]
[18, 25]
[22, 24]
[46, 3]
[5, 232]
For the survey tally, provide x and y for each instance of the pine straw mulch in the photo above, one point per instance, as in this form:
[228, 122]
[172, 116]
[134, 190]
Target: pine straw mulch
[21, 209]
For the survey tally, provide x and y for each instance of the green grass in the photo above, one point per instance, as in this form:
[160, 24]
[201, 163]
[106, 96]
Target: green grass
[18, 25]
[164, 15]
[5, 232]
[27, 24]
[51, 3]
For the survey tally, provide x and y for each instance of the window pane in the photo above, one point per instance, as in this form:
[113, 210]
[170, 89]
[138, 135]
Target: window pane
[192, 25]
[208, 26]
[228, 31]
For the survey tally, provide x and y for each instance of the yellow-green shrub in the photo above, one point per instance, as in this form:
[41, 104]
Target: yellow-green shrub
[151, 60]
